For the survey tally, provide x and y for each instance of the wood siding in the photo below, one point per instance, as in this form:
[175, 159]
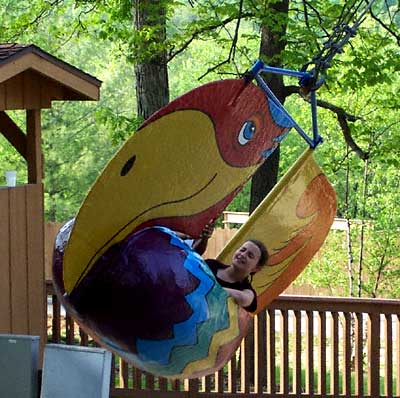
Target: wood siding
[22, 284]
[31, 82]
[29, 90]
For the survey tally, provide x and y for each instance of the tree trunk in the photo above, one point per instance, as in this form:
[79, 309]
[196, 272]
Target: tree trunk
[273, 42]
[152, 89]
[264, 180]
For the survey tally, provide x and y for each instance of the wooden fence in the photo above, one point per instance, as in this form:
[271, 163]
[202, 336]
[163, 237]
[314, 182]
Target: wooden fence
[301, 347]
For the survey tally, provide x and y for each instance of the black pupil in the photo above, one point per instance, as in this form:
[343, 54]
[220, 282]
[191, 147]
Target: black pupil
[128, 165]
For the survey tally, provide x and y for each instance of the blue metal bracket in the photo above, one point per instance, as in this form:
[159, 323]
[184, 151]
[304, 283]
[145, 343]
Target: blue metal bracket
[305, 78]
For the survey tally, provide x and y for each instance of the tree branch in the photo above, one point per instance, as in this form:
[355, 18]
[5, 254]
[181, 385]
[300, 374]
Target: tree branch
[342, 116]
[289, 90]
[236, 36]
[349, 139]
[386, 27]
[195, 34]
[43, 12]
[306, 4]
[213, 68]
[317, 14]
[232, 51]
[338, 110]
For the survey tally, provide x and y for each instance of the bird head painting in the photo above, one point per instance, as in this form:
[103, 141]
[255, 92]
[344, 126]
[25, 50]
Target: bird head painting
[119, 267]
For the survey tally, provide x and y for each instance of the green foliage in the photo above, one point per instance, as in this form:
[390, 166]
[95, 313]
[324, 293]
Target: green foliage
[241, 201]
[78, 138]
[98, 37]
[10, 159]
[327, 270]
[119, 126]
[75, 151]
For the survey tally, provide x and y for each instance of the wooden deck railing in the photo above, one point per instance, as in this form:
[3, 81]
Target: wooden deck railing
[301, 347]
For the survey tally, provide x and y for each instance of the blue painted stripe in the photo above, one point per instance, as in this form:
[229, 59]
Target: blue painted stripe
[280, 118]
[182, 355]
[184, 332]
[192, 337]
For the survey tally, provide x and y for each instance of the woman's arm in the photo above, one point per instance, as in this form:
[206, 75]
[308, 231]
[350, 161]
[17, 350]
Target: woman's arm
[242, 297]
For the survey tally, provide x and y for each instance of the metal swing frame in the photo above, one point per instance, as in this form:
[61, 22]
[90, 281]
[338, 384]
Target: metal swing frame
[260, 67]
[310, 80]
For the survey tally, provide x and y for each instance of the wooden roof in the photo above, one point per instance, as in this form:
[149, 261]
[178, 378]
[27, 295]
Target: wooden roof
[31, 78]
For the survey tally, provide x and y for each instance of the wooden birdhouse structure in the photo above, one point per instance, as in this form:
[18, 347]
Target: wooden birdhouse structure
[30, 79]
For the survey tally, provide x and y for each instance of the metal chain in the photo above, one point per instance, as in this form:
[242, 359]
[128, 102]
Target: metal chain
[342, 33]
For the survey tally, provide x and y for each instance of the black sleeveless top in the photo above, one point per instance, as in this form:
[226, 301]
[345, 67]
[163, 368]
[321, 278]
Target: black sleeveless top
[215, 265]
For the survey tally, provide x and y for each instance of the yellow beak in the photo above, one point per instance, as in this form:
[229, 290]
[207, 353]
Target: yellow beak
[176, 170]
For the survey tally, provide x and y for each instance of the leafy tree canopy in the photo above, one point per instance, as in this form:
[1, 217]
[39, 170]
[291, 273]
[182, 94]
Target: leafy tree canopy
[207, 40]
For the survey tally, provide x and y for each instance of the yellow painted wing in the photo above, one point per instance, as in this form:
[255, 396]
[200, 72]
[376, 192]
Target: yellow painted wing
[293, 222]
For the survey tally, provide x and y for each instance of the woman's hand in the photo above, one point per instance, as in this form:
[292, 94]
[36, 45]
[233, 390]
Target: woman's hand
[208, 230]
[200, 244]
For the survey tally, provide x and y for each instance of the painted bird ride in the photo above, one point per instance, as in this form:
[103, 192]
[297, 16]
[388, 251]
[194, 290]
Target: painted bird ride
[131, 282]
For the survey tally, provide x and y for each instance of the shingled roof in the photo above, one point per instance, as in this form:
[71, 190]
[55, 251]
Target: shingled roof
[9, 52]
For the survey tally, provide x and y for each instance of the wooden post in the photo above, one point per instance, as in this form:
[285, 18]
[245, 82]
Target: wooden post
[322, 354]
[271, 352]
[22, 289]
[349, 324]
[284, 353]
[334, 382]
[260, 352]
[358, 349]
[297, 385]
[34, 152]
[310, 353]
[397, 354]
[388, 375]
[374, 333]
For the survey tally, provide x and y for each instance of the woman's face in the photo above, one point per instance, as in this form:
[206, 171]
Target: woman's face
[246, 258]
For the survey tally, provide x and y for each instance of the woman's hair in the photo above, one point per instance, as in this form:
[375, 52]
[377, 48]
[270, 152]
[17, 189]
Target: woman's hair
[263, 250]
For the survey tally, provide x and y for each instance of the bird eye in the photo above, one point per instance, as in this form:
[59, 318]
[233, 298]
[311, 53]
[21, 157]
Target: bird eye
[246, 133]
[128, 165]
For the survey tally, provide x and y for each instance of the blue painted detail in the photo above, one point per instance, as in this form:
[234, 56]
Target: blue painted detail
[268, 152]
[282, 71]
[280, 138]
[280, 117]
[275, 106]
